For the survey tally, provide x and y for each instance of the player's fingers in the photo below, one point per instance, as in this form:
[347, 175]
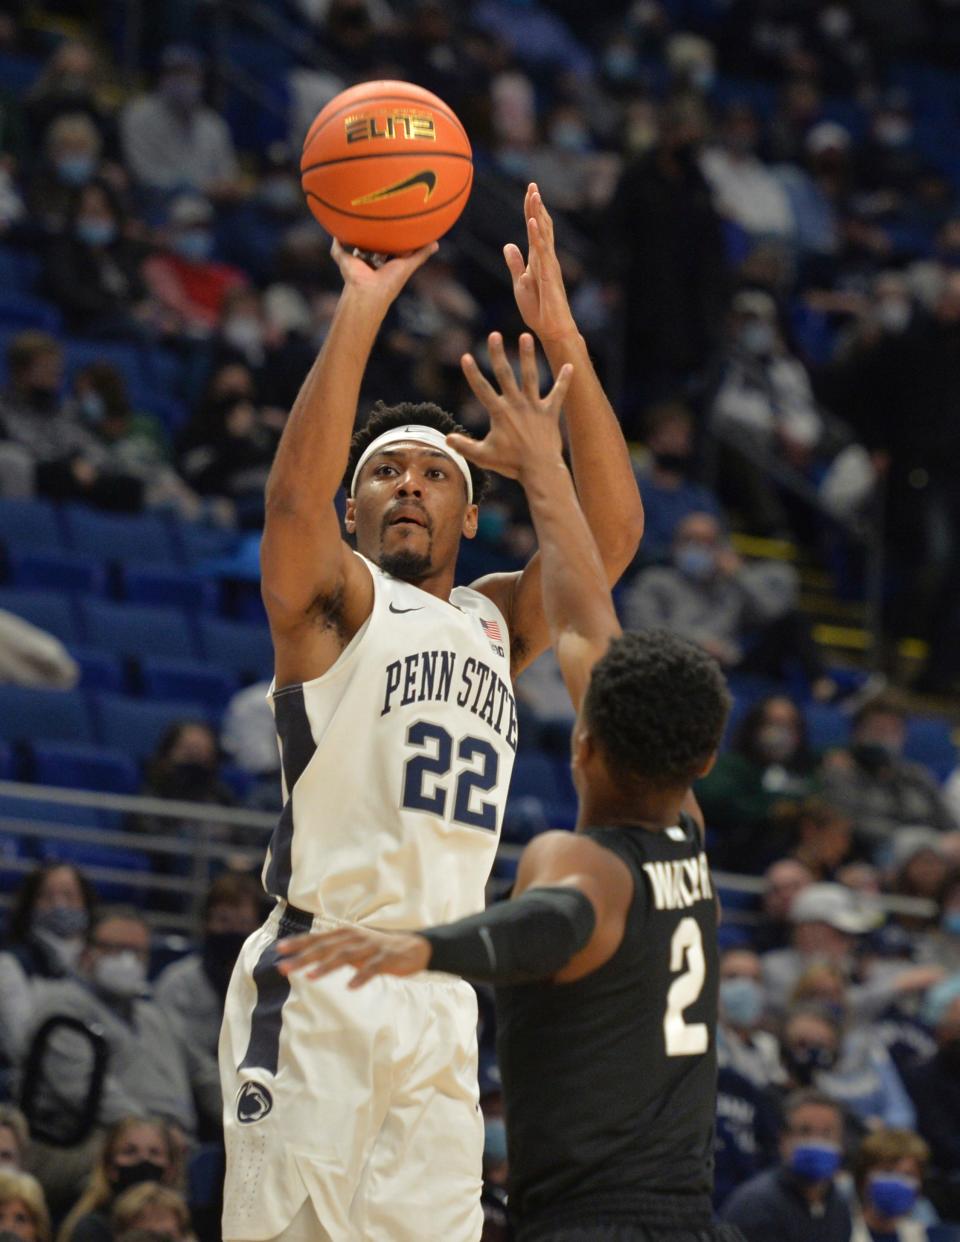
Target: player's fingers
[417, 258]
[296, 944]
[558, 393]
[514, 261]
[543, 218]
[528, 367]
[480, 386]
[500, 365]
[379, 964]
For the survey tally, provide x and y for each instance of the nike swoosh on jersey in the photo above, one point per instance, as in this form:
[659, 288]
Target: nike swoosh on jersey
[395, 609]
[427, 178]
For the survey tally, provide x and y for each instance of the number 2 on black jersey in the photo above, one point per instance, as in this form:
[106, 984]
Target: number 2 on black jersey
[685, 1039]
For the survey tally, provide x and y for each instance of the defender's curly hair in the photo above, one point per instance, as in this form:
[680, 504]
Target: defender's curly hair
[385, 417]
[657, 706]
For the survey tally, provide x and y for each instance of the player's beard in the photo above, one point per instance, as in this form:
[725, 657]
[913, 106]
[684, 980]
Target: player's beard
[407, 565]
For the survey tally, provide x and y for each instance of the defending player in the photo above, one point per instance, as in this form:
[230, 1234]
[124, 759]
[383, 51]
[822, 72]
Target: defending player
[354, 1115]
[605, 958]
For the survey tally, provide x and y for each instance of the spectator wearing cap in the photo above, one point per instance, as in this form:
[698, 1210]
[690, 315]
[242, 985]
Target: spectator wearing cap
[888, 1177]
[782, 881]
[798, 1201]
[745, 191]
[172, 141]
[935, 1087]
[827, 919]
[668, 479]
[187, 283]
[873, 783]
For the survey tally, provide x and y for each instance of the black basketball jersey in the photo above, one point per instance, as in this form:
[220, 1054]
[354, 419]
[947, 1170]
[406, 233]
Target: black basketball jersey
[610, 1082]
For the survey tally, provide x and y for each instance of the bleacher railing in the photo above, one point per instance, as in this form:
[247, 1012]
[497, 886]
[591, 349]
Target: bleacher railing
[202, 855]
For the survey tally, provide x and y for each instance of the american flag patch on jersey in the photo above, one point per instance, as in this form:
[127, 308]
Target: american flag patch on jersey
[492, 630]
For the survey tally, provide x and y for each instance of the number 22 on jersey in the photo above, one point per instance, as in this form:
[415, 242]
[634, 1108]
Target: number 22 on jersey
[685, 1039]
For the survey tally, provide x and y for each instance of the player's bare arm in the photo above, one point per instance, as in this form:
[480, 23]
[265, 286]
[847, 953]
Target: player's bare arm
[317, 593]
[604, 477]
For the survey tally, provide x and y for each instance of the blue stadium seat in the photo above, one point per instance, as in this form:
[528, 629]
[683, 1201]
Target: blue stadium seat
[234, 645]
[87, 857]
[44, 715]
[144, 538]
[205, 543]
[534, 776]
[187, 679]
[63, 571]
[827, 726]
[21, 311]
[85, 767]
[135, 726]
[179, 587]
[12, 850]
[205, 1175]
[135, 631]
[6, 763]
[50, 610]
[99, 670]
[19, 269]
[19, 73]
[30, 525]
[239, 780]
[930, 741]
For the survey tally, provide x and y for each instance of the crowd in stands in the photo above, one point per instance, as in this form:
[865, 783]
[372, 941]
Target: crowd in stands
[759, 218]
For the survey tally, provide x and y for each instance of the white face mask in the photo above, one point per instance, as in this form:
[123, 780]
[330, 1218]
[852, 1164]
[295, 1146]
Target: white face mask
[122, 975]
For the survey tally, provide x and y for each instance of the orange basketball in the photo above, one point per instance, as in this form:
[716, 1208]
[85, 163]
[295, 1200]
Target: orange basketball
[386, 167]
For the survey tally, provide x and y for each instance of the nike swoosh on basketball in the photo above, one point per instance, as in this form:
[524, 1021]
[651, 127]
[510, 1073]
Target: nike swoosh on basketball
[427, 178]
[393, 608]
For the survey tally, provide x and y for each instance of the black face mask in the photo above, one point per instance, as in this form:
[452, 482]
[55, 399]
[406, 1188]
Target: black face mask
[43, 400]
[127, 1175]
[872, 756]
[804, 1062]
[189, 779]
[677, 463]
[220, 953]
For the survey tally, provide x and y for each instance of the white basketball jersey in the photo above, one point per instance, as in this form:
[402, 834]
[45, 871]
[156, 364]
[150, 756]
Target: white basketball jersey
[396, 764]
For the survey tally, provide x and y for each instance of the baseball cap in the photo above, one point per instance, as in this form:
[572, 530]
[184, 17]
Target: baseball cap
[835, 905]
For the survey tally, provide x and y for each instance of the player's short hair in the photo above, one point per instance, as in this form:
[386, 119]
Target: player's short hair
[656, 706]
[385, 417]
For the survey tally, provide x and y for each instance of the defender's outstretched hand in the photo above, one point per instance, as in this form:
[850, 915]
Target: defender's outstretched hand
[384, 282]
[370, 952]
[524, 426]
[538, 283]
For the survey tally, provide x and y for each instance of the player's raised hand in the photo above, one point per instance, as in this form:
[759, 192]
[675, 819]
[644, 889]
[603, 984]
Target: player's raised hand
[382, 283]
[524, 426]
[370, 952]
[538, 282]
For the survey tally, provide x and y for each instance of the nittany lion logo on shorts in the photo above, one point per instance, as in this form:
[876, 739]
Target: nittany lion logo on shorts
[254, 1101]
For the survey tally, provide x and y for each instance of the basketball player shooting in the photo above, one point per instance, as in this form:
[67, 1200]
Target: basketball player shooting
[605, 957]
[354, 1115]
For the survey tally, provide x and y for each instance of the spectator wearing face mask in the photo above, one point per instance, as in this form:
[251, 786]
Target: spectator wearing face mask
[135, 1151]
[670, 492]
[798, 1201]
[749, 796]
[74, 80]
[71, 159]
[151, 1067]
[231, 457]
[172, 141]
[852, 1067]
[873, 783]
[192, 990]
[888, 1177]
[46, 934]
[742, 1043]
[935, 1088]
[93, 270]
[188, 285]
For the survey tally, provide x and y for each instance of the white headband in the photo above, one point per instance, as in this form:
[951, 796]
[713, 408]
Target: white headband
[419, 435]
